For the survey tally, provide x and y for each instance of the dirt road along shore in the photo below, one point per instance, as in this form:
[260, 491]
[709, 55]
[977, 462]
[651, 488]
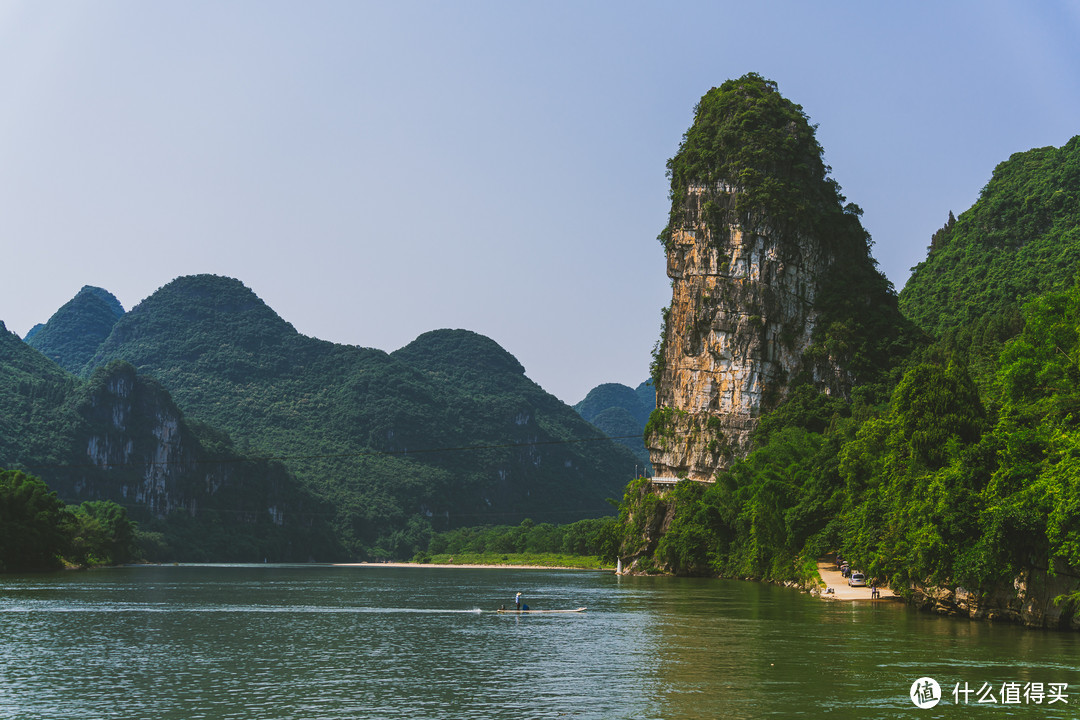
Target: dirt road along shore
[841, 590]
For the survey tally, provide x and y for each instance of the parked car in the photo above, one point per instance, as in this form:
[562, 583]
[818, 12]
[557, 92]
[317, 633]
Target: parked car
[857, 579]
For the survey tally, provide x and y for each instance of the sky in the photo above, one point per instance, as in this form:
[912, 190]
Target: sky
[375, 170]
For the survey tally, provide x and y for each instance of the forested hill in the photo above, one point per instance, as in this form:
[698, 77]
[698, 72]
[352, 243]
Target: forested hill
[33, 392]
[446, 430]
[957, 485]
[119, 437]
[1020, 239]
[621, 412]
[74, 332]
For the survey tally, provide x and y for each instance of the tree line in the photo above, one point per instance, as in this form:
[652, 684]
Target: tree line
[39, 532]
[964, 476]
[599, 537]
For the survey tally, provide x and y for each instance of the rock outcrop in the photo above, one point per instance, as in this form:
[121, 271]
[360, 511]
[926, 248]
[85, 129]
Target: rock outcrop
[139, 451]
[759, 244]
[742, 315]
[1036, 597]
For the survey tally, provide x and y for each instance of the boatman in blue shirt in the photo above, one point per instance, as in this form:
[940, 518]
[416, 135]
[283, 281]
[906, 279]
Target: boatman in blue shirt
[517, 601]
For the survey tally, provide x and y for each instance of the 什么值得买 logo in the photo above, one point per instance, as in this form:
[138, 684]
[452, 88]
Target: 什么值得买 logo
[925, 692]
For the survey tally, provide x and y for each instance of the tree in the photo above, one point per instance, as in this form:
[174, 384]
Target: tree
[31, 520]
[100, 532]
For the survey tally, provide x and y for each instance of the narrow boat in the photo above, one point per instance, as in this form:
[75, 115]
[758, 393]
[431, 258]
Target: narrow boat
[534, 612]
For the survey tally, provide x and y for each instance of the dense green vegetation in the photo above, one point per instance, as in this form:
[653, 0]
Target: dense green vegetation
[100, 533]
[74, 332]
[756, 155]
[621, 413]
[545, 560]
[445, 431]
[1020, 239]
[960, 466]
[34, 419]
[38, 532]
[31, 524]
[746, 135]
[288, 447]
[528, 543]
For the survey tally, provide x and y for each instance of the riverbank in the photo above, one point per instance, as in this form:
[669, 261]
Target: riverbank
[521, 561]
[463, 566]
[840, 588]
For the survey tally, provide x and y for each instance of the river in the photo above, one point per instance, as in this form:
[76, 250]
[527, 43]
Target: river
[307, 642]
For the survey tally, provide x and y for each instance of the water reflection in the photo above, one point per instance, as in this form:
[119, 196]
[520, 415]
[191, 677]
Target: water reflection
[742, 650]
[268, 642]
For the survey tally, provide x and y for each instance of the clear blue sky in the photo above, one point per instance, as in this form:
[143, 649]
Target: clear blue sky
[377, 170]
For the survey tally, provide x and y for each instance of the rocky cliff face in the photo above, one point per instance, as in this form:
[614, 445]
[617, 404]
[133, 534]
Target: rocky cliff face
[139, 451]
[757, 243]
[137, 439]
[1036, 597]
[742, 315]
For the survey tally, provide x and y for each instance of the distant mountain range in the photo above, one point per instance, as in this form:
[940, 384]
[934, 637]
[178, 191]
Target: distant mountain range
[75, 331]
[622, 412]
[444, 432]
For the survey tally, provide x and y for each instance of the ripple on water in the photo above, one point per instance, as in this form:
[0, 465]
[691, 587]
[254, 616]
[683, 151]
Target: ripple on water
[254, 642]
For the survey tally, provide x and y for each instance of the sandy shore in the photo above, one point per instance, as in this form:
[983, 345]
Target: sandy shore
[467, 567]
[829, 574]
[841, 589]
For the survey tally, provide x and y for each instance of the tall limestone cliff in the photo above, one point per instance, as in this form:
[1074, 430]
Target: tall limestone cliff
[773, 285]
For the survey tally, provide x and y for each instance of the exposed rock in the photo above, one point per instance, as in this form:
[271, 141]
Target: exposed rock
[1035, 598]
[742, 314]
[141, 453]
[746, 280]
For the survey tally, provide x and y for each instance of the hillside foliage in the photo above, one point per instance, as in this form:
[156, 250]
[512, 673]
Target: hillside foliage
[621, 413]
[74, 332]
[445, 431]
[1020, 239]
[39, 532]
[597, 537]
[963, 466]
[755, 155]
[374, 450]
[35, 420]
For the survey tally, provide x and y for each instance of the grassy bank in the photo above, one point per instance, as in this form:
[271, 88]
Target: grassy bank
[558, 560]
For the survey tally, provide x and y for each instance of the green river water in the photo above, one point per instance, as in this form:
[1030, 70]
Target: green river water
[311, 642]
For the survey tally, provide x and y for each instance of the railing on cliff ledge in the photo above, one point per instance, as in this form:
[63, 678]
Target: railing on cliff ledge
[675, 480]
